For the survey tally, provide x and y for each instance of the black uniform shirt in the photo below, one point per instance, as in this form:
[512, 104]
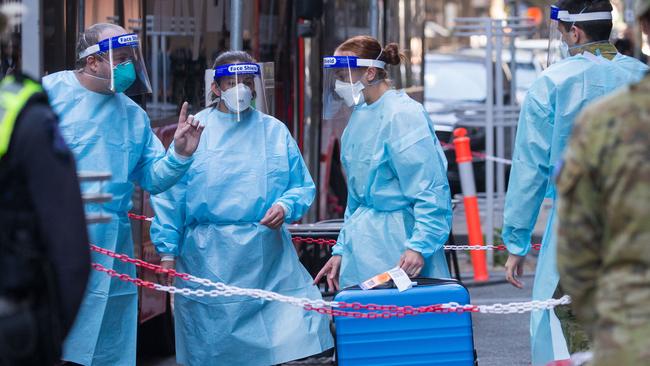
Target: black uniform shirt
[38, 175]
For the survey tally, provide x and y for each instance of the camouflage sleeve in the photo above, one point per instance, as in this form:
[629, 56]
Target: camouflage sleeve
[579, 221]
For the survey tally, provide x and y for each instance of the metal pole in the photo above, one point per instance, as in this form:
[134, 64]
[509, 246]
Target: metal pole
[142, 100]
[165, 67]
[119, 11]
[513, 88]
[81, 17]
[401, 20]
[154, 70]
[500, 140]
[31, 38]
[489, 137]
[374, 18]
[311, 145]
[236, 42]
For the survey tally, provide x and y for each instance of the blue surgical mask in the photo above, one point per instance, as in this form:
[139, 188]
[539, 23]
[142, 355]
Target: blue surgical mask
[123, 76]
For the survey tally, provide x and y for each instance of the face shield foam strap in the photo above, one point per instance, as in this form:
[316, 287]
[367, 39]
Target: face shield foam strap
[565, 16]
[371, 63]
[353, 62]
[126, 40]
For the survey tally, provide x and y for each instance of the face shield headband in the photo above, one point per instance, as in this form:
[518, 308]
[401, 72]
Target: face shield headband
[558, 49]
[128, 72]
[339, 85]
[565, 16]
[239, 97]
[126, 40]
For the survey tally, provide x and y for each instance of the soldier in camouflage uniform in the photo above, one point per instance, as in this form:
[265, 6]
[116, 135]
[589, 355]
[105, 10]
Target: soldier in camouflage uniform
[603, 248]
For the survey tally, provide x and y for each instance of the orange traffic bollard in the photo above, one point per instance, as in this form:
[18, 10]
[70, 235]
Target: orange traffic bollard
[468, 186]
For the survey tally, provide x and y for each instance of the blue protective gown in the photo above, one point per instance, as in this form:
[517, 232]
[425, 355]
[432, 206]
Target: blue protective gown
[551, 105]
[210, 222]
[398, 193]
[109, 133]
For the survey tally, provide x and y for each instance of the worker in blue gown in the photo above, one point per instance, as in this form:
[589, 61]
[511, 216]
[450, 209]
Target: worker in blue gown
[225, 221]
[108, 132]
[590, 68]
[399, 206]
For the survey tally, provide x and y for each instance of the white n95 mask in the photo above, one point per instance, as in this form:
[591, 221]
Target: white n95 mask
[351, 93]
[237, 98]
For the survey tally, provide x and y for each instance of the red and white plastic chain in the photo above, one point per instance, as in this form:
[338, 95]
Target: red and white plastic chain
[138, 262]
[139, 217]
[304, 240]
[321, 306]
[332, 242]
[480, 155]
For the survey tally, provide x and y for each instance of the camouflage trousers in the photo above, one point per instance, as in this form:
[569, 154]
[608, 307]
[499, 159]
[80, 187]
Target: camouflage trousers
[575, 334]
[576, 337]
[613, 344]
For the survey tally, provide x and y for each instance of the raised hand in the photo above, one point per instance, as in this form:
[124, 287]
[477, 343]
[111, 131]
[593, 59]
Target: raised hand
[188, 133]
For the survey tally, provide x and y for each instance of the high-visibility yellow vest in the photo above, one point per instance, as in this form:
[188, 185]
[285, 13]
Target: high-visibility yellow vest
[13, 97]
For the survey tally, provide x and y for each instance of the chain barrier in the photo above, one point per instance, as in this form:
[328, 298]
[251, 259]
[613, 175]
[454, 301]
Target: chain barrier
[140, 217]
[485, 247]
[373, 311]
[305, 240]
[492, 158]
[221, 288]
[332, 242]
[479, 155]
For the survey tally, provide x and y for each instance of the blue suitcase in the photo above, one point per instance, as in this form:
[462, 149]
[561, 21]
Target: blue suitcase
[427, 339]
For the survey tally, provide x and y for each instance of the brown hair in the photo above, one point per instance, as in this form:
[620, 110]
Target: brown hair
[233, 57]
[370, 48]
[229, 57]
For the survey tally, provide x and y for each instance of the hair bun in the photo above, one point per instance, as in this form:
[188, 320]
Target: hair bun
[392, 54]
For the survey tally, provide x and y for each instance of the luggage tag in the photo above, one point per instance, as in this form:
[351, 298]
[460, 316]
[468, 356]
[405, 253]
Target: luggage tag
[399, 277]
[378, 280]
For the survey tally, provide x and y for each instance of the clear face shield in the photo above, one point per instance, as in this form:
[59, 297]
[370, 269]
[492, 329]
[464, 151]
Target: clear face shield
[558, 48]
[241, 86]
[342, 86]
[128, 73]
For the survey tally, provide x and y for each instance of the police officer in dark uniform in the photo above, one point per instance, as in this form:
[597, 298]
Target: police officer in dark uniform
[44, 253]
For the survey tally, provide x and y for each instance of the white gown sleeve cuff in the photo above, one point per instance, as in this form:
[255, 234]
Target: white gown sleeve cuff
[167, 258]
[285, 207]
[180, 157]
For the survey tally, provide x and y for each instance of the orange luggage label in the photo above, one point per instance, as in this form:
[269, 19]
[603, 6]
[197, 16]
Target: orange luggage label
[375, 281]
[401, 279]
